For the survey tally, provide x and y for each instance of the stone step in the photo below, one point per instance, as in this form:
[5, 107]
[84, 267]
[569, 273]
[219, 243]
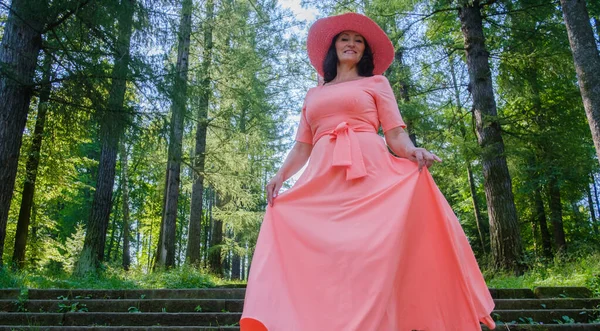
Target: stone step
[9, 293]
[511, 327]
[114, 328]
[232, 318]
[546, 316]
[551, 327]
[122, 319]
[555, 303]
[512, 293]
[236, 305]
[125, 305]
[237, 292]
[202, 293]
[562, 292]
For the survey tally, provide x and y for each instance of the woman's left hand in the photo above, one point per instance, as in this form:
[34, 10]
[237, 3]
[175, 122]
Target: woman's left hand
[423, 157]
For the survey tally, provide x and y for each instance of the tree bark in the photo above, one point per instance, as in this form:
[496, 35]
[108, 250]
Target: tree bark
[113, 226]
[165, 257]
[592, 211]
[505, 237]
[215, 263]
[243, 267]
[405, 96]
[112, 123]
[33, 160]
[125, 205]
[207, 227]
[19, 50]
[540, 217]
[587, 62]
[194, 232]
[235, 261]
[472, 188]
[476, 207]
[556, 215]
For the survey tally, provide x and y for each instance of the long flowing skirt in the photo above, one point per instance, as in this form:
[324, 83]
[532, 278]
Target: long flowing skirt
[383, 252]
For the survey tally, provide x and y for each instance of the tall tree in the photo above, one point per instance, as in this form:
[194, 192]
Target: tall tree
[21, 44]
[194, 233]
[592, 211]
[165, 256]
[505, 238]
[556, 215]
[540, 217]
[125, 204]
[33, 161]
[215, 258]
[113, 120]
[463, 132]
[587, 61]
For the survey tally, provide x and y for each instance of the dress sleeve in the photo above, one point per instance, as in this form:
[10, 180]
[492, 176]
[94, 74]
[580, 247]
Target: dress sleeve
[387, 106]
[304, 133]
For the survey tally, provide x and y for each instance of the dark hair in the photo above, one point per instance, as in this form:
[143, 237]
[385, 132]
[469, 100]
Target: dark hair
[365, 65]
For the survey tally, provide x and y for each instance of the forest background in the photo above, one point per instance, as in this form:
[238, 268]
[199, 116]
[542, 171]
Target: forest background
[137, 136]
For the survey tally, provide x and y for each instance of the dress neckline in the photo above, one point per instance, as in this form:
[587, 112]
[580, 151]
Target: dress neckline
[348, 81]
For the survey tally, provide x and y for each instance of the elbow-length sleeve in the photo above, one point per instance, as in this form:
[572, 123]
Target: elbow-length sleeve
[304, 133]
[387, 106]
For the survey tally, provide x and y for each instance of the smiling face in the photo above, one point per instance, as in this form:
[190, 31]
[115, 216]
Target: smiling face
[349, 47]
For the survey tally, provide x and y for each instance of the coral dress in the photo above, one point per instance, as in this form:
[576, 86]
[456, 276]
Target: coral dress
[363, 241]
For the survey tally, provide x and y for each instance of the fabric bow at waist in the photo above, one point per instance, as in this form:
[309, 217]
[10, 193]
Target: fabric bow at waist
[346, 152]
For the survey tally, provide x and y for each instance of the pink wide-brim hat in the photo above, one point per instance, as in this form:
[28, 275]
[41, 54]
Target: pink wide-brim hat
[321, 35]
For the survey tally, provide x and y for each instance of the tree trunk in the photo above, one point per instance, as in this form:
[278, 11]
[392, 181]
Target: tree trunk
[33, 160]
[21, 44]
[587, 62]
[125, 205]
[534, 235]
[235, 261]
[112, 123]
[207, 228]
[592, 211]
[596, 192]
[405, 96]
[195, 235]
[472, 188]
[165, 257]
[113, 226]
[243, 267]
[505, 238]
[556, 214]
[119, 237]
[215, 263]
[476, 207]
[540, 217]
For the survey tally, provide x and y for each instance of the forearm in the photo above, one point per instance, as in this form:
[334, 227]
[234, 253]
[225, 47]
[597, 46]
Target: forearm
[399, 142]
[295, 160]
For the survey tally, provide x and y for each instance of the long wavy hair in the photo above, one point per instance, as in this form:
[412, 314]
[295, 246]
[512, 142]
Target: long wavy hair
[365, 65]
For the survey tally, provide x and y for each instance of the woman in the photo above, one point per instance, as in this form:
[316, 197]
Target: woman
[364, 240]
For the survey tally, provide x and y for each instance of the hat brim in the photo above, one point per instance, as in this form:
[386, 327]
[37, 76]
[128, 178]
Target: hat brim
[321, 34]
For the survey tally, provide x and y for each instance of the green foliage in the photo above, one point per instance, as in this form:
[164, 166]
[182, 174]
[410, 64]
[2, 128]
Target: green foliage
[257, 79]
[111, 278]
[569, 270]
[74, 307]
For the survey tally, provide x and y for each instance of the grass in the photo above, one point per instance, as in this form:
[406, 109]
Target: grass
[563, 271]
[114, 278]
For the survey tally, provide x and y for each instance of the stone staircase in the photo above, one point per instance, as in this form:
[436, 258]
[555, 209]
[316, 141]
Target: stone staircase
[544, 308]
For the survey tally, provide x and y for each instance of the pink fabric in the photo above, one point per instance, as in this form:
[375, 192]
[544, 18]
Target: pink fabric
[361, 249]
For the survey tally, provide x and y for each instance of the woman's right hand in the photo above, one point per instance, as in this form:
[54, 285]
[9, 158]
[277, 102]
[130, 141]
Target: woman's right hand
[273, 188]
